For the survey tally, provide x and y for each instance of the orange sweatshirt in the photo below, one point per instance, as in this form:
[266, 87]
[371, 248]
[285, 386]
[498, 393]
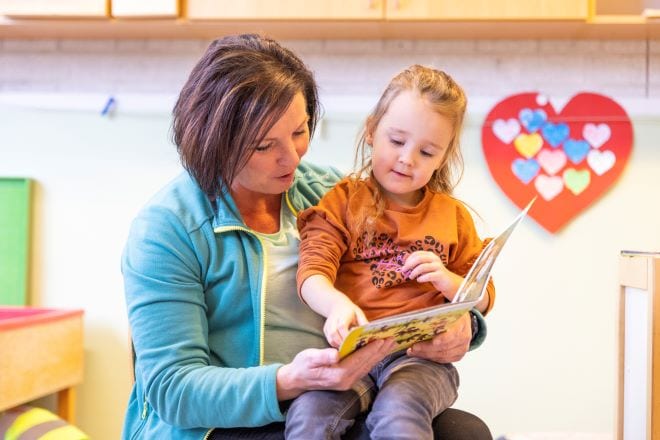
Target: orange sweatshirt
[369, 273]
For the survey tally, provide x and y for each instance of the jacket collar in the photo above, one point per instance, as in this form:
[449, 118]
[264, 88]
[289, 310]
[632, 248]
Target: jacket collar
[226, 213]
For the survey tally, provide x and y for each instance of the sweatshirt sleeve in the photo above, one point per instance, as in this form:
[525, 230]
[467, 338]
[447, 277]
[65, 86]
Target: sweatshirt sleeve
[169, 329]
[324, 236]
[468, 249]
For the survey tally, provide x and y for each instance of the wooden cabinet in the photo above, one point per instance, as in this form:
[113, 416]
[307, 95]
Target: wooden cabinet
[486, 10]
[54, 9]
[285, 9]
[42, 353]
[330, 19]
[145, 8]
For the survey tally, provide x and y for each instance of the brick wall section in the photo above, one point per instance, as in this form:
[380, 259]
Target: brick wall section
[654, 69]
[621, 68]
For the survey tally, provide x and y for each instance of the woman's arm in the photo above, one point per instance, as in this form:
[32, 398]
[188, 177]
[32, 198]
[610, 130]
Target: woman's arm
[167, 309]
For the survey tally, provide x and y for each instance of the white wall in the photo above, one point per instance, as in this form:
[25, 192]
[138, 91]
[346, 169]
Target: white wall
[549, 361]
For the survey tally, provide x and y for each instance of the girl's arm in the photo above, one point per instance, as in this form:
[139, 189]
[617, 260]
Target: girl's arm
[341, 313]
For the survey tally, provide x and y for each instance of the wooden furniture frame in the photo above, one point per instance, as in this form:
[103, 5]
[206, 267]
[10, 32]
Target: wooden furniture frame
[639, 275]
[42, 354]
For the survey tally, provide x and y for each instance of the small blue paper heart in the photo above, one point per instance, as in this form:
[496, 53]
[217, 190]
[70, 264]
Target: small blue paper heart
[525, 170]
[532, 120]
[555, 134]
[576, 150]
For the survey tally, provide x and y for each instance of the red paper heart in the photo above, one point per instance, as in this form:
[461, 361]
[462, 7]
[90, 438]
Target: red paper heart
[571, 170]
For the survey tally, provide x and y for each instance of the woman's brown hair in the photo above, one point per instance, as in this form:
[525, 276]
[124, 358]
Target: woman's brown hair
[237, 91]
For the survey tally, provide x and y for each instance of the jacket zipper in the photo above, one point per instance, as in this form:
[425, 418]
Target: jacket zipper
[221, 229]
[144, 408]
[262, 311]
[290, 204]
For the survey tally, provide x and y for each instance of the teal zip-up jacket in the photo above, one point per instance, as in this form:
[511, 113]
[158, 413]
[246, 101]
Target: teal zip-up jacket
[194, 285]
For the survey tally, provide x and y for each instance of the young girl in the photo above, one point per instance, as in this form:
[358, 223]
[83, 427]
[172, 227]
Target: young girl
[388, 240]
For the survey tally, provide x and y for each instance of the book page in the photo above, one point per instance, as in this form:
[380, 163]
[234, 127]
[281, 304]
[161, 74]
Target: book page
[475, 282]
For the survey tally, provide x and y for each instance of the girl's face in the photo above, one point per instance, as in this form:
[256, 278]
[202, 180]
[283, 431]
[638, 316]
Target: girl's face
[270, 169]
[408, 145]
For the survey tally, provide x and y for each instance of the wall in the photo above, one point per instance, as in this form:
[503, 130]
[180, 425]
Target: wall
[549, 362]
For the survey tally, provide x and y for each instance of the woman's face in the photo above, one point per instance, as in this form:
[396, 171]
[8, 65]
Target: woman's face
[271, 167]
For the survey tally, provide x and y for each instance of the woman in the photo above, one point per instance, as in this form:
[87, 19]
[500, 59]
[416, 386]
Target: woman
[220, 337]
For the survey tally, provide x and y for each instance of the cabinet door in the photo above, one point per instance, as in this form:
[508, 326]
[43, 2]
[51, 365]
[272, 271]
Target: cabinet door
[54, 9]
[486, 9]
[145, 8]
[286, 9]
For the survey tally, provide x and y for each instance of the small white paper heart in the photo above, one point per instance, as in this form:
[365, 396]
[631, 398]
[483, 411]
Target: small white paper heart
[601, 161]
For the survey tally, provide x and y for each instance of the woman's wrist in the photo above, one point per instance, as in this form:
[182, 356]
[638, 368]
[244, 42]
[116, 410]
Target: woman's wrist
[286, 384]
[474, 324]
[479, 328]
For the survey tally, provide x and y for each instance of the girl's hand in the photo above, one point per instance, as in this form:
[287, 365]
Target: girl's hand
[427, 267]
[342, 317]
[315, 369]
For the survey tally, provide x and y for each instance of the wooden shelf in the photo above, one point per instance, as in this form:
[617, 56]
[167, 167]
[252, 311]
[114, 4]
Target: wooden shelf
[610, 27]
[42, 354]
[619, 19]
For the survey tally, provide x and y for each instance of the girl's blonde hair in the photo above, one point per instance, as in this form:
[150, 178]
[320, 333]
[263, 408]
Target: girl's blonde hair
[447, 98]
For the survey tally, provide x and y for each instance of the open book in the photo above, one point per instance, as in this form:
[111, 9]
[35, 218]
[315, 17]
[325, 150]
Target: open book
[420, 325]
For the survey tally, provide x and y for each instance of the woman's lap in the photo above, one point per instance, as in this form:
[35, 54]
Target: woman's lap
[452, 424]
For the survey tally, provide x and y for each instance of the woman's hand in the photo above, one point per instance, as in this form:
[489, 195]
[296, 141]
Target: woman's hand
[449, 346]
[321, 369]
[427, 267]
[343, 315]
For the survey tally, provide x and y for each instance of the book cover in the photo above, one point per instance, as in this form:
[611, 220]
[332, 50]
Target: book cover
[420, 325]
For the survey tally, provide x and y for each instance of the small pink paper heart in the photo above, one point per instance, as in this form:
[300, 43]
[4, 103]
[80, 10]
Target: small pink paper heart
[506, 130]
[549, 186]
[551, 160]
[596, 134]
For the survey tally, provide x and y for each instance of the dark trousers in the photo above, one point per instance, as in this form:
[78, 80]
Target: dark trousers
[451, 424]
